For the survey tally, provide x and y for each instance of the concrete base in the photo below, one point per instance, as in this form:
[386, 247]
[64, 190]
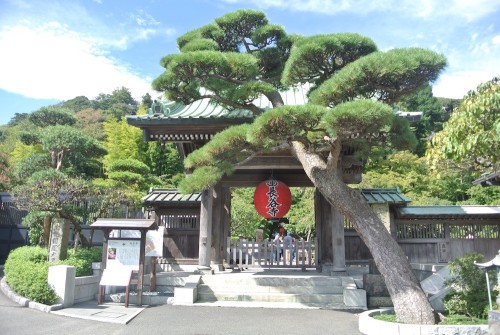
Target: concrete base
[355, 298]
[494, 323]
[188, 294]
[185, 295]
[62, 280]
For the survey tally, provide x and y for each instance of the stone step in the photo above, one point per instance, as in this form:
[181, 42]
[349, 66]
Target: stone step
[148, 298]
[168, 279]
[301, 289]
[274, 297]
[272, 281]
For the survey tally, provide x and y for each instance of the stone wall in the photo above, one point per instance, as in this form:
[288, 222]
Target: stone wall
[86, 288]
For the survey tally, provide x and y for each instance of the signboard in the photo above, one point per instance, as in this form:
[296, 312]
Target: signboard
[117, 277]
[154, 242]
[123, 254]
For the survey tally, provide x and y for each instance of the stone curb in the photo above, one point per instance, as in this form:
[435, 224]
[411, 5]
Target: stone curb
[370, 326]
[13, 296]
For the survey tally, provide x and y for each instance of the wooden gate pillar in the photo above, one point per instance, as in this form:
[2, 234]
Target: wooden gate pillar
[205, 241]
[225, 220]
[218, 238]
[324, 249]
[330, 233]
[338, 240]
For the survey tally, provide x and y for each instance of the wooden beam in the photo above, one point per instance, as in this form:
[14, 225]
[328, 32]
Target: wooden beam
[268, 162]
[251, 178]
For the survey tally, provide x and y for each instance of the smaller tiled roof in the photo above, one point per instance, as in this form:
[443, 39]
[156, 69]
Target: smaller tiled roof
[129, 224]
[391, 196]
[449, 212]
[171, 196]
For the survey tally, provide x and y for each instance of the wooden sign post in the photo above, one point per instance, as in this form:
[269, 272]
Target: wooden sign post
[123, 253]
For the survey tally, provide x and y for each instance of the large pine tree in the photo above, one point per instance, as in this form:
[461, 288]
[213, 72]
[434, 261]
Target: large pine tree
[241, 56]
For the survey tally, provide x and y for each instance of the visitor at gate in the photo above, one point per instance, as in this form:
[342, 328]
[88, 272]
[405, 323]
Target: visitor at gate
[288, 247]
[276, 243]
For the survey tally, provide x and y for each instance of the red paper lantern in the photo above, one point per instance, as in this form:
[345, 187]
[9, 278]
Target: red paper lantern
[272, 199]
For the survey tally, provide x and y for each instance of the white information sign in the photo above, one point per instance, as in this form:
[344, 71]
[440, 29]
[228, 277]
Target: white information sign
[154, 242]
[123, 254]
[116, 277]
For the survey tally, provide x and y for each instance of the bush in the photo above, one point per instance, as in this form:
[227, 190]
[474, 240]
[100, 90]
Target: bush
[82, 260]
[469, 293]
[26, 270]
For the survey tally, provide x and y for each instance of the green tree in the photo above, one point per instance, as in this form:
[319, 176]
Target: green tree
[91, 122]
[468, 294]
[301, 220]
[244, 219]
[122, 141]
[433, 115]
[77, 104]
[5, 173]
[241, 56]
[59, 147]
[147, 100]
[121, 103]
[472, 134]
[17, 119]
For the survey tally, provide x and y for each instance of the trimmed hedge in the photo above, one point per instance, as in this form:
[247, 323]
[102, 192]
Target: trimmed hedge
[26, 270]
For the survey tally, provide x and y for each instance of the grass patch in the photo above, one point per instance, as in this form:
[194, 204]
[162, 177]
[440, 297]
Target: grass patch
[386, 318]
[455, 319]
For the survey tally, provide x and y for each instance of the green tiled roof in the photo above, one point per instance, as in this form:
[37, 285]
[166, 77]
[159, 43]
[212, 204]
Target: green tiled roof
[205, 110]
[448, 211]
[172, 196]
[384, 195]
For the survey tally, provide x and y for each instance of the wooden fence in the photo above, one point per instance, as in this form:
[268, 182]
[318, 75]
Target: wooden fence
[255, 254]
[439, 241]
[13, 234]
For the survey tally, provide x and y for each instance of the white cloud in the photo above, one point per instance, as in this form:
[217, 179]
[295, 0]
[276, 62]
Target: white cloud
[456, 84]
[53, 62]
[466, 9]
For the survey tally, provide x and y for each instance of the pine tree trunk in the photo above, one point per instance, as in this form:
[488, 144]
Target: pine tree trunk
[410, 302]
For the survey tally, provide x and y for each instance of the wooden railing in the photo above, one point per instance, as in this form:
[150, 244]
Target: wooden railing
[254, 254]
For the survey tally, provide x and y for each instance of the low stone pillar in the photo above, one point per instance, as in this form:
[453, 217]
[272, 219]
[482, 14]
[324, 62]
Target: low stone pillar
[62, 280]
[494, 323]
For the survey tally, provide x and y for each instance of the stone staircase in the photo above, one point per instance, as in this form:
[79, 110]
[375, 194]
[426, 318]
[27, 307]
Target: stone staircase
[166, 282]
[281, 291]
[295, 289]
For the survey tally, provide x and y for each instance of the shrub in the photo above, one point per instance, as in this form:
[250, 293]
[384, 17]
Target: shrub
[82, 260]
[26, 272]
[469, 294]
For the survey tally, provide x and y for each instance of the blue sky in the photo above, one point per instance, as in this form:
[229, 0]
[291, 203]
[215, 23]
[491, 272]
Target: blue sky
[56, 50]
